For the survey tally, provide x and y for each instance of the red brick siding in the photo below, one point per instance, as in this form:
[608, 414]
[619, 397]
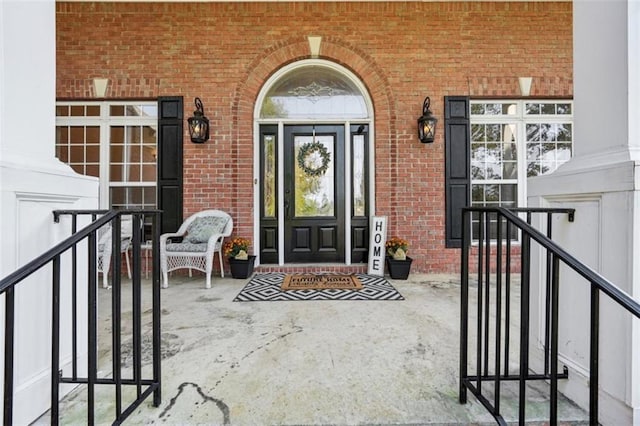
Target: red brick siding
[402, 51]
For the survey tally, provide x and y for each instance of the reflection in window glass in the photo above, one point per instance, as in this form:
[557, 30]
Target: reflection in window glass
[563, 109]
[116, 110]
[62, 110]
[493, 195]
[269, 175]
[128, 133]
[480, 108]
[79, 147]
[359, 188]
[132, 197]
[134, 110]
[535, 136]
[77, 111]
[493, 151]
[548, 147]
[314, 176]
[93, 110]
[314, 92]
[132, 160]
[548, 108]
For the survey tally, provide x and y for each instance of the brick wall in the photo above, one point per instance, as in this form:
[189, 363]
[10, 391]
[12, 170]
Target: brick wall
[402, 51]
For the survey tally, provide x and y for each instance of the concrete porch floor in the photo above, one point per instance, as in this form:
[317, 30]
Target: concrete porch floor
[306, 363]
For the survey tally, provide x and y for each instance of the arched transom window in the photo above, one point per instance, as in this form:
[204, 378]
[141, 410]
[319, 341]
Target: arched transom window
[314, 92]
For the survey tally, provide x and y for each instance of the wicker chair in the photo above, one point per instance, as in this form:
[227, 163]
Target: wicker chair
[194, 245]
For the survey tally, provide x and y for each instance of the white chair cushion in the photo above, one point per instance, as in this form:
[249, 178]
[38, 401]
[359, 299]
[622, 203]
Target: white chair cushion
[182, 247]
[202, 228]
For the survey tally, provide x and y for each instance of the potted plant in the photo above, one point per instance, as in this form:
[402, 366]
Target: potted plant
[240, 262]
[398, 263]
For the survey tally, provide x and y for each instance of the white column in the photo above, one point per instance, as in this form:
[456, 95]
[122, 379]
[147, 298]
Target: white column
[33, 183]
[602, 78]
[602, 182]
[27, 56]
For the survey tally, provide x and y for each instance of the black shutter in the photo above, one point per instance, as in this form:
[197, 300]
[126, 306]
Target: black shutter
[457, 166]
[170, 162]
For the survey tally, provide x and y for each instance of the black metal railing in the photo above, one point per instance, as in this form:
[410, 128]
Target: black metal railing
[67, 255]
[489, 257]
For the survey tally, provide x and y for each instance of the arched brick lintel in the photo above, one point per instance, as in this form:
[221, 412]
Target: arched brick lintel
[292, 50]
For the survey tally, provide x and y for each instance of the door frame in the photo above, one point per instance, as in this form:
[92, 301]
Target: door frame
[257, 121]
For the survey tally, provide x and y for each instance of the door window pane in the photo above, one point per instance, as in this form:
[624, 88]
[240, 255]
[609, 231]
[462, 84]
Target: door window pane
[314, 182]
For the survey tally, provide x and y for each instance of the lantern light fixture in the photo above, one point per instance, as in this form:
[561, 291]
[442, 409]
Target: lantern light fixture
[198, 124]
[427, 123]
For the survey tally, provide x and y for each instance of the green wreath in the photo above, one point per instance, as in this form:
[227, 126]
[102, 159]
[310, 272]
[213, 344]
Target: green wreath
[308, 149]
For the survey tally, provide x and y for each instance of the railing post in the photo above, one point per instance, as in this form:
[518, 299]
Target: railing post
[155, 278]
[116, 318]
[480, 309]
[487, 289]
[555, 291]
[498, 334]
[594, 353]
[548, 290]
[136, 288]
[55, 341]
[524, 324]
[92, 322]
[507, 307]
[74, 301]
[464, 305]
[9, 327]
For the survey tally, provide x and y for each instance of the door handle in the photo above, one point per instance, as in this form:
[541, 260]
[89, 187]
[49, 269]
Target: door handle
[287, 191]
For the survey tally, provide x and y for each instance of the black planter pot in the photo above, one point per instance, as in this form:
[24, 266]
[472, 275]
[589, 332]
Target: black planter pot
[242, 268]
[399, 269]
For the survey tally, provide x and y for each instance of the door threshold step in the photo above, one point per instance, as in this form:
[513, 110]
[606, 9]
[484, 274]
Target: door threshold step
[314, 268]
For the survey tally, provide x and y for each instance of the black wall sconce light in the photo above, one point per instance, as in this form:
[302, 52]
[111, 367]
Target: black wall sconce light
[198, 124]
[427, 123]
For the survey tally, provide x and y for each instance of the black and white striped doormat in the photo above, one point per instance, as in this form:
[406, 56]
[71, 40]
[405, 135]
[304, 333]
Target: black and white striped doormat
[266, 287]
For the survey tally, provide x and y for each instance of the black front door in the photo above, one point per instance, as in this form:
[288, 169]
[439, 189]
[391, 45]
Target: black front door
[314, 193]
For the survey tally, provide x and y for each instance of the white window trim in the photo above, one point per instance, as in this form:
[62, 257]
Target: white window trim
[105, 121]
[281, 122]
[520, 119]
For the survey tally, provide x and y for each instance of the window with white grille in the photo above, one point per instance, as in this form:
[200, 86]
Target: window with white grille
[114, 141]
[513, 140]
